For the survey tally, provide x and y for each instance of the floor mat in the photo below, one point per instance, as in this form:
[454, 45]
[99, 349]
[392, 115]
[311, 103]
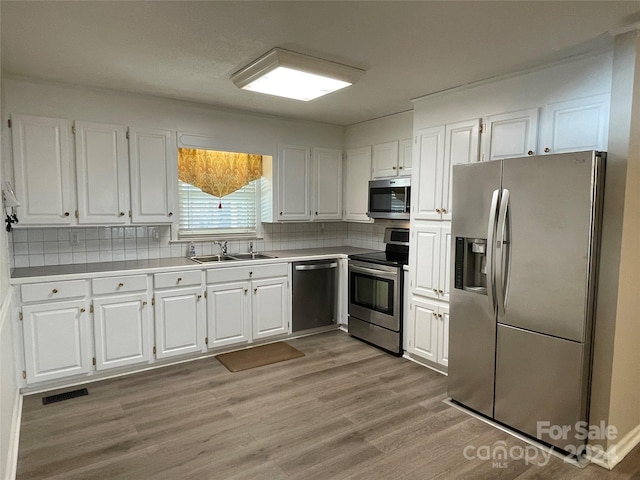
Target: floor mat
[258, 356]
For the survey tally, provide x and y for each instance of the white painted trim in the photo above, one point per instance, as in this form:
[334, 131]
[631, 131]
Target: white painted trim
[626, 29]
[425, 363]
[14, 439]
[614, 455]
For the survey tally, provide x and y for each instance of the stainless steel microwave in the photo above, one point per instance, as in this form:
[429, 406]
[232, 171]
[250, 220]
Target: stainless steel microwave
[390, 198]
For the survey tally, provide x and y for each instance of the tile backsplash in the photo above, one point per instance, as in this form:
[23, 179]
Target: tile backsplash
[34, 247]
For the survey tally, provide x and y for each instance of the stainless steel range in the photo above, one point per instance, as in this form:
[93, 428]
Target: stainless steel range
[375, 292]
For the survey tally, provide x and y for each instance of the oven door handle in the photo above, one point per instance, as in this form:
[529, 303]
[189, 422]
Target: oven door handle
[375, 272]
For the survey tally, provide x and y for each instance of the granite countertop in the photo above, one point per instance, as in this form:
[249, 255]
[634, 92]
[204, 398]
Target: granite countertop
[86, 270]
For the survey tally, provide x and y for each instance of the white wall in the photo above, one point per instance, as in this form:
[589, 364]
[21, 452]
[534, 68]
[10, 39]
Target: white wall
[582, 77]
[385, 129]
[9, 400]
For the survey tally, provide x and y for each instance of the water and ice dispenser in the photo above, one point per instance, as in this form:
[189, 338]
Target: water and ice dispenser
[471, 265]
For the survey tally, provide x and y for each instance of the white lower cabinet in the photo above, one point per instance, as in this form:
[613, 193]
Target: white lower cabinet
[56, 340]
[430, 257]
[269, 307]
[122, 330]
[180, 321]
[248, 303]
[428, 330]
[228, 313]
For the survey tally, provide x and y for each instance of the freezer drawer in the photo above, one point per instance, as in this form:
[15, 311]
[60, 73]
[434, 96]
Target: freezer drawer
[540, 379]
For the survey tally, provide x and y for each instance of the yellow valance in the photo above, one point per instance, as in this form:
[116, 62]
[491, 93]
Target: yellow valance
[218, 173]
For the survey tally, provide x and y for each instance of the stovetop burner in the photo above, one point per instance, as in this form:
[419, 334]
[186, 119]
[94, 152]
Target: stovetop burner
[393, 259]
[396, 253]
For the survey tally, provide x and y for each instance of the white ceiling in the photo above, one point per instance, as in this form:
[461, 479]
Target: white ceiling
[188, 50]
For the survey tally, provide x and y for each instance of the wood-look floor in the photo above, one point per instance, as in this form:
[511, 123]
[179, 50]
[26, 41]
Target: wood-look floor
[346, 411]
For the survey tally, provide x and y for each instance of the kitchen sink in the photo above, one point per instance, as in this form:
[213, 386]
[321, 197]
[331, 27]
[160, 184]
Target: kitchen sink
[225, 258]
[212, 258]
[251, 256]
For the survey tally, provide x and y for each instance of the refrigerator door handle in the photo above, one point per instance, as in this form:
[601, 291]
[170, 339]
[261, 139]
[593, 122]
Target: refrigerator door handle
[491, 230]
[501, 248]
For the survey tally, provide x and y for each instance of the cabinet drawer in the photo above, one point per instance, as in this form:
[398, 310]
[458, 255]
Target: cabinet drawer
[177, 279]
[129, 283]
[37, 292]
[218, 275]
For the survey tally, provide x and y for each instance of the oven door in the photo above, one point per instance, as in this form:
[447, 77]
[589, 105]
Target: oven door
[373, 294]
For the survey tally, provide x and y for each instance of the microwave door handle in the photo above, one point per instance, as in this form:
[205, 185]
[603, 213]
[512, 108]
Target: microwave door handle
[375, 272]
[491, 230]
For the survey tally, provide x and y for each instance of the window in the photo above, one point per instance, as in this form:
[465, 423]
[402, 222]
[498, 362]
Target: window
[218, 193]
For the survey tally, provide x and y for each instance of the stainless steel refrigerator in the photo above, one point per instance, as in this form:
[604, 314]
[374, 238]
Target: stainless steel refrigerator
[525, 235]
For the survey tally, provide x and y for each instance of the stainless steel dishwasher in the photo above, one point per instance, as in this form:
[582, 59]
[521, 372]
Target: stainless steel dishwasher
[314, 294]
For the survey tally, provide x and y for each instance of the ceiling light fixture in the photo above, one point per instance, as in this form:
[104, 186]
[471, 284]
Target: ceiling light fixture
[292, 75]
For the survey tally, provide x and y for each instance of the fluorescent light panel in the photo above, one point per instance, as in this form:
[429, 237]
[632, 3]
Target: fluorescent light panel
[293, 75]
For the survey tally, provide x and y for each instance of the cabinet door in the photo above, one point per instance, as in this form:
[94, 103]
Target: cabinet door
[327, 168]
[424, 258]
[575, 125]
[462, 146]
[426, 191]
[356, 185]
[180, 323]
[102, 168]
[228, 314]
[444, 276]
[511, 134]
[154, 165]
[385, 160]
[56, 340]
[443, 336]
[42, 168]
[294, 167]
[121, 326]
[270, 312]
[423, 329]
[405, 160]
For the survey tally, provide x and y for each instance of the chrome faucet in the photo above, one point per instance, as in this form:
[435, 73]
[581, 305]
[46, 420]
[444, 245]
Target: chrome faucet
[250, 247]
[223, 247]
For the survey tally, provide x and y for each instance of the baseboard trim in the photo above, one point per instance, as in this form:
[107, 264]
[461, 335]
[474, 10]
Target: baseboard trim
[14, 438]
[425, 363]
[616, 453]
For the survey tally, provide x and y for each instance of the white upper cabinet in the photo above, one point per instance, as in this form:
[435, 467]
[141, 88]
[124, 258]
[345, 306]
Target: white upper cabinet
[102, 171]
[512, 134]
[385, 160]
[42, 167]
[293, 182]
[114, 186]
[426, 191]
[153, 164]
[574, 125]
[405, 159]
[327, 184]
[462, 146]
[356, 185]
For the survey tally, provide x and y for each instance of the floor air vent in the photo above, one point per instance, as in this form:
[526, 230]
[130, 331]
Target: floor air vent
[64, 396]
